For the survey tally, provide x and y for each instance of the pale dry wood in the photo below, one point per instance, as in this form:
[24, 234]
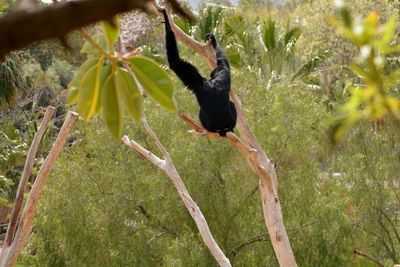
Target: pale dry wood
[168, 166]
[10, 254]
[198, 129]
[259, 163]
[144, 153]
[233, 138]
[29, 162]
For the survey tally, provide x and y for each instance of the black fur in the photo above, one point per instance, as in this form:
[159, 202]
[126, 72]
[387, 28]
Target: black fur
[217, 112]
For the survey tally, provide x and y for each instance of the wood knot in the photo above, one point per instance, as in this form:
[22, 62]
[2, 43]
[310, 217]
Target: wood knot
[278, 237]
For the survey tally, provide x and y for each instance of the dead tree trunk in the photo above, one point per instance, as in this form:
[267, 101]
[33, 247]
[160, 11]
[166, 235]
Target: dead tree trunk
[13, 244]
[256, 158]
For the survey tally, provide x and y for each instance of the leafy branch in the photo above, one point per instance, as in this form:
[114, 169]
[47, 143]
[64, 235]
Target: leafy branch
[107, 82]
[375, 97]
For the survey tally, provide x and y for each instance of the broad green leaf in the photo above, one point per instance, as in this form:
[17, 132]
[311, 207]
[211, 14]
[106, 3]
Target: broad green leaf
[88, 48]
[73, 86]
[89, 91]
[111, 30]
[130, 94]
[112, 114]
[154, 80]
[105, 73]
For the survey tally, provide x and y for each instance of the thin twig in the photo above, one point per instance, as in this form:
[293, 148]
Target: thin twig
[390, 239]
[235, 250]
[375, 260]
[153, 136]
[88, 38]
[392, 223]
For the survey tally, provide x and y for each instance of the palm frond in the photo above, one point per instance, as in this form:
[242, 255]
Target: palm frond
[310, 66]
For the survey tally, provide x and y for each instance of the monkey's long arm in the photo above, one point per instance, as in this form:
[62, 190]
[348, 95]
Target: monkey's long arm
[222, 73]
[188, 74]
[222, 60]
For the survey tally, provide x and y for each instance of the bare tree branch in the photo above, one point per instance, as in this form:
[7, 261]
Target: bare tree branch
[30, 160]
[375, 260]
[20, 28]
[9, 254]
[30, 22]
[144, 153]
[168, 166]
[233, 138]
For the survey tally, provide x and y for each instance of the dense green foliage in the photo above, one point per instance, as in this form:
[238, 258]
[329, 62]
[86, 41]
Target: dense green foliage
[105, 206]
[11, 77]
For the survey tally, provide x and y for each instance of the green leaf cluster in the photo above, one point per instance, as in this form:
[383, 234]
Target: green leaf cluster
[108, 83]
[374, 96]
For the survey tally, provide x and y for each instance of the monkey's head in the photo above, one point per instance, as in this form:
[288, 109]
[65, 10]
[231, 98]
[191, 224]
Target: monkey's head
[211, 38]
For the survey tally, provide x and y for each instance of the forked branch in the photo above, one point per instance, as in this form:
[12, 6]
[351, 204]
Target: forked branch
[257, 160]
[168, 167]
[233, 138]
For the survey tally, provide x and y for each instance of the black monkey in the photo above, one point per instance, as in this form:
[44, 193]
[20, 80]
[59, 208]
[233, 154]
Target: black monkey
[217, 112]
